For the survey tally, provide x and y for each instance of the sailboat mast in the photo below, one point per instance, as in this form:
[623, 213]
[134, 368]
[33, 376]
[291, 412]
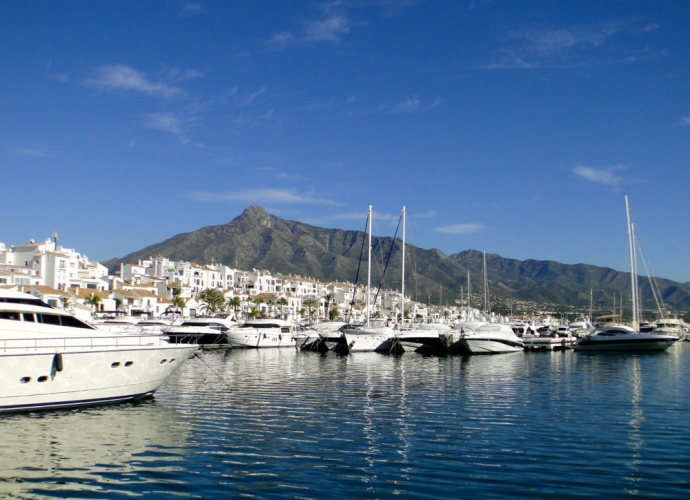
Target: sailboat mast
[633, 273]
[369, 274]
[486, 287]
[402, 286]
[469, 293]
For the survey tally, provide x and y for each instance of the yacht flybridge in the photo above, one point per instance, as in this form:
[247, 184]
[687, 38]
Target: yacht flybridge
[51, 359]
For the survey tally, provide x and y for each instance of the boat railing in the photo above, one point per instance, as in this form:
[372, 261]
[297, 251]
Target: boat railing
[96, 342]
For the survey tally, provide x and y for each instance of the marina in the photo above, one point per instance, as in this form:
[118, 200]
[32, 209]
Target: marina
[285, 423]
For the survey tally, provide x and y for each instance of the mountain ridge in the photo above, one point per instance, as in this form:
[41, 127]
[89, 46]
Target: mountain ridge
[258, 240]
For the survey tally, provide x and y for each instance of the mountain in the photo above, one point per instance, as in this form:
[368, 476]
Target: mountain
[258, 240]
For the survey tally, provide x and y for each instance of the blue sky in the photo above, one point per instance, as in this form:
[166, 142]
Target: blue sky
[510, 127]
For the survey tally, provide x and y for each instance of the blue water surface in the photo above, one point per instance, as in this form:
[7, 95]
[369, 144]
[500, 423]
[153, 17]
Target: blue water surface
[280, 423]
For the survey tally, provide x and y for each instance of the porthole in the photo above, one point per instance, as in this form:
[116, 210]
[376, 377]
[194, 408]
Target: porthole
[129, 363]
[42, 378]
[172, 360]
[25, 380]
[163, 361]
[115, 364]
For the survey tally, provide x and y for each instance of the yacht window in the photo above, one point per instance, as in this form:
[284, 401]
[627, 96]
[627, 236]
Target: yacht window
[285, 329]
[49, 319]
[9, 315]
[74, 322]
[31, 302]
[28, 317]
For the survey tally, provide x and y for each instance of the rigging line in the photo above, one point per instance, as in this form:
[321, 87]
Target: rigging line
[652, 280]
[359, 265]
[388, 258]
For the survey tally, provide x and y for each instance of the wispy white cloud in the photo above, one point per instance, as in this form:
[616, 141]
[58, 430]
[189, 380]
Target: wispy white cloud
[167, 122]
[685, 121]
[30, 153]
[248, 99]
[466, 228]
[414, 105]
[599, 175]
[194, 8]
[328, 29]
[118, 77]
[572, 46]
[263, 196]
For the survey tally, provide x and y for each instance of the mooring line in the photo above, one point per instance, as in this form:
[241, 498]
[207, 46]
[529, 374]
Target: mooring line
[212, 370]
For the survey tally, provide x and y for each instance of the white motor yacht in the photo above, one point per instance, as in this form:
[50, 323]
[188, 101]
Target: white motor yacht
[322, 336]
[51, 359]
[263, 333]
[202, 330]
[425, 338]
[374, 336]
[452, 340]
[492, 338]
[624, 338]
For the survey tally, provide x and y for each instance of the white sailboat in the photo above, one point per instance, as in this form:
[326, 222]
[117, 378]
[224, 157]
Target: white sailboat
[622, 337]
[375, 335]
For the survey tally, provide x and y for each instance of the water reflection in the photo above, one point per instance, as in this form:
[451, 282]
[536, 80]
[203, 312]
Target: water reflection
[286, 423]
[99, 450]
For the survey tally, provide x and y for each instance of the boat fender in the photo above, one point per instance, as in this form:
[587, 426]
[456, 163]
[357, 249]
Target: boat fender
[57, 362]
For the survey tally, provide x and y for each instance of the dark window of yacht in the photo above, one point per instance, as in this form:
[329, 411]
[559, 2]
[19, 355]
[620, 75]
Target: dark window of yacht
[74, 322]
[28, 317]
[49, 319]
[9, 315]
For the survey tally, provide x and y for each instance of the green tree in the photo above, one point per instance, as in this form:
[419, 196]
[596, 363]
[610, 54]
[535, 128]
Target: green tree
[212, 301]
[64, 300]
[282, 302]
[333, 314]
[328, 299]
[178, 303]
[310, 303]
[118, 303]
[93, 300]
[258, 301]
[234, 303]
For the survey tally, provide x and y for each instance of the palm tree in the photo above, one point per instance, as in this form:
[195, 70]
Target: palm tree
[328, 298]
[212, 300]
[93, 300]
[258, 301]
[235, 303]
[254, 312]
[310, 303]
[333, 314]
[118, 304]
[178, 303]
[282, 302]
[64, 300]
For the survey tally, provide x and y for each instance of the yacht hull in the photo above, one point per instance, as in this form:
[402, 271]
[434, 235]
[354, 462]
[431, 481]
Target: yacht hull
[69, 377]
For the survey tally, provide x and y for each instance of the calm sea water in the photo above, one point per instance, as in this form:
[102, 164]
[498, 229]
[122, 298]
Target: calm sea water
[288, 424]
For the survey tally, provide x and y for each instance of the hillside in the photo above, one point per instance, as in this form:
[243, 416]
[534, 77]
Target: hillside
[258, 240]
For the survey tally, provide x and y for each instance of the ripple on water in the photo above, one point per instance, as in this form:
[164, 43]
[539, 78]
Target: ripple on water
[281, 423]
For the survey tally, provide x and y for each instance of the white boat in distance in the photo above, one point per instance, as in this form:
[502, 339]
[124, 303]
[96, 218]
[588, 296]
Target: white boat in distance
[424, 338]
[262, 333]
[490, 338]
[50, 359]
[374, 336]
[621, 337]
[201, 330]
[624, 338]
